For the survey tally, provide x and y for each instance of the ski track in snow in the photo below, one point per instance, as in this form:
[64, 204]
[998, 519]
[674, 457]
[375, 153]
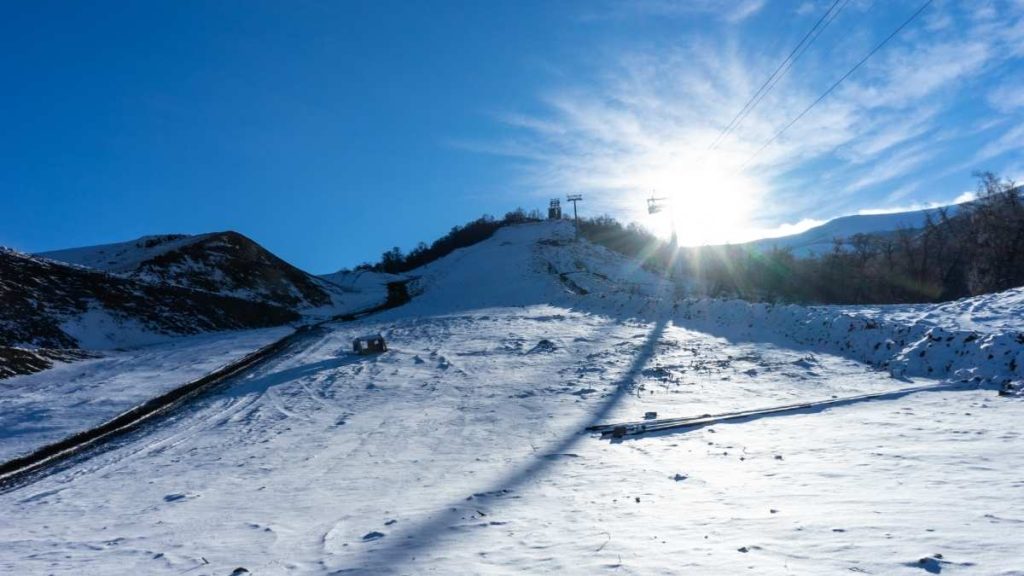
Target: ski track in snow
[461, 451]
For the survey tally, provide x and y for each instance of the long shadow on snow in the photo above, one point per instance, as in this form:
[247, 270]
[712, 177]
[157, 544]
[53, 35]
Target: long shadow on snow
[735, 332]
[390, 554]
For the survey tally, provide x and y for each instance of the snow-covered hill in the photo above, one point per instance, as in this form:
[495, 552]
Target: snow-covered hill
[820, 239]
[226, 263]
[536, 263]
[121, 257]
[49, 306]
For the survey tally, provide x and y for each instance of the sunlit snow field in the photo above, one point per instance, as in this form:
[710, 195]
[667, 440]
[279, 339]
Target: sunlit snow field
[39, 409]
[462, 450]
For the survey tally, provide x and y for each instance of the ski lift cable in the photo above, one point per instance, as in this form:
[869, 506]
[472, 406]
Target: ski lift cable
[837, 83]
[765, 88]
[792, 62]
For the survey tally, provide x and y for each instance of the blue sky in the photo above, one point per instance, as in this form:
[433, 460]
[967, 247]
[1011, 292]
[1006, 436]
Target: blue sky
[330, 131]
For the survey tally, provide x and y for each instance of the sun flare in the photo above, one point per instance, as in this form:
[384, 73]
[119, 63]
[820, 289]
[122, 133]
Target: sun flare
[704, 202]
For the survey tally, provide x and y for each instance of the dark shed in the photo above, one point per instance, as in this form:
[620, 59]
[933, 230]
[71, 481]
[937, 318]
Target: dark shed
[371, 344]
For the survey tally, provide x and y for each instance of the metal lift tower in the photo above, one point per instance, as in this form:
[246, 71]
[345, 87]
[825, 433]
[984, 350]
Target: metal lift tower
[655, 205]
[574, 198]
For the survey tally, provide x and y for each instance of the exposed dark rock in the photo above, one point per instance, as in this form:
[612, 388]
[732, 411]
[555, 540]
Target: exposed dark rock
[226, 263]
[40, 295]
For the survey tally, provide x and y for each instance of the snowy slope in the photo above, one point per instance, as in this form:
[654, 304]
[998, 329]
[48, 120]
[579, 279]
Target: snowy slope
[361, 279]
[40, 409]
[819, 240]
[541, 264]
[461, 450]
[537, 263]
[354, 290]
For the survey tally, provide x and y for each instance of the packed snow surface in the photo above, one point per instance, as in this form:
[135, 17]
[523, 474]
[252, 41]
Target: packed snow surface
[42, 408]
[462, 451]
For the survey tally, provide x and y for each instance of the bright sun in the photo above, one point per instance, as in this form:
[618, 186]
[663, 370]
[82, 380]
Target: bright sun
[705, 203]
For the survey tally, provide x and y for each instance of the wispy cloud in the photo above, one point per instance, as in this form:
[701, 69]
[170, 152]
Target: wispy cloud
[731, 11]
[1011, 139]
[905, 161]
[1007, 97]
[787, 229]
[648, 118]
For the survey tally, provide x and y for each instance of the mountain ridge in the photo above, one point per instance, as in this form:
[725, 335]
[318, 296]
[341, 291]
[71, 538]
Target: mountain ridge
[227, 263]
[819, 239]
[51, 306]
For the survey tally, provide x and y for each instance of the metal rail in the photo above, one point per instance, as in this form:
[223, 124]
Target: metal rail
[25, 469]
[634, 428]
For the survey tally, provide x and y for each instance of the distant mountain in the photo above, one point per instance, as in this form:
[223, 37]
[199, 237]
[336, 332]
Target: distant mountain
[361, 280]
[226, 263]
[51, 306]
[819, 239]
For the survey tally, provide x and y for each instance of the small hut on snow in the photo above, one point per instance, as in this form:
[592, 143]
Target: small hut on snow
[370, 344]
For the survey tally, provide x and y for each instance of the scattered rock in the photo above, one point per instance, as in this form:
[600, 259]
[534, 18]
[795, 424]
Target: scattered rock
[371, 536]
[239, 571]
[543, 346]
[390, 522]
[650, 415]
[930, 565]
[743, 549]
[679, 477]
